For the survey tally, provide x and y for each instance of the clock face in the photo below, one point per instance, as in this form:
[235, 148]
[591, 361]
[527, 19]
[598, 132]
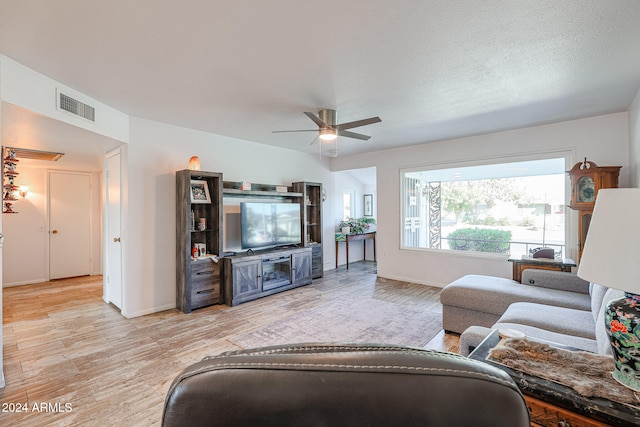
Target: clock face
[586, 191]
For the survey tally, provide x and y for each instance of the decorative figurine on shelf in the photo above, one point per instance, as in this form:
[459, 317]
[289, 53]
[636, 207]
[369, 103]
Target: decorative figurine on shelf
[8, 207]
[194, 163]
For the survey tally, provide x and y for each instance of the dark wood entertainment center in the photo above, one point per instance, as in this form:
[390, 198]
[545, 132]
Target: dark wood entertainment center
[234, 278]
[247, 277]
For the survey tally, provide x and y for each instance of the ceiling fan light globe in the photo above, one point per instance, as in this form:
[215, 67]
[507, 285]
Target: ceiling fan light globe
[328, 135]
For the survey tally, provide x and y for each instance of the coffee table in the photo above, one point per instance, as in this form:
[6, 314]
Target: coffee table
[553, 404]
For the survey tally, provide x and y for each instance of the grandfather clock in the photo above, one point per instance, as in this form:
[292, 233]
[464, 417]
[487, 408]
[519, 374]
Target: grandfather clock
[586, 179]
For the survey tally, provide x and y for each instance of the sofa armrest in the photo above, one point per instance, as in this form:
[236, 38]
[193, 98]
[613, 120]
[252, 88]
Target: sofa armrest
[555, 280]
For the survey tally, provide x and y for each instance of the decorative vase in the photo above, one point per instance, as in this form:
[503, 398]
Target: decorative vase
[622, 318]
[346, 230]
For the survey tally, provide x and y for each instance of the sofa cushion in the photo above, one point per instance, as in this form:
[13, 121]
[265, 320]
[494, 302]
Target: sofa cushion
[579, 343]
[597, 295]
[562, 320]
[561, 280]
[495, 294]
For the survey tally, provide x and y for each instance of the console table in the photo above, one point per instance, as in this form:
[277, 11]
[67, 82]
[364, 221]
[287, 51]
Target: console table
[521, 264]
[553, 404]
[352, 238]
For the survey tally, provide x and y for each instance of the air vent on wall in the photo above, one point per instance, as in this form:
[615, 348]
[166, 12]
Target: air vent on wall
[76, 107]
[25, 153]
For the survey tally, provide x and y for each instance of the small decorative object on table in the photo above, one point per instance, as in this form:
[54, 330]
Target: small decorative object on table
[357, 225]
[610, 258]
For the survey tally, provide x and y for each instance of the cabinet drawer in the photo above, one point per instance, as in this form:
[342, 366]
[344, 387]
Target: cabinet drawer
[205, 295]
[203, 280]
[203, 273]
[204, 267]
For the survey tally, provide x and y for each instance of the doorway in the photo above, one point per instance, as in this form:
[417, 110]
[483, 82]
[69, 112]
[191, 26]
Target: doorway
[69, 224]
[351, 186]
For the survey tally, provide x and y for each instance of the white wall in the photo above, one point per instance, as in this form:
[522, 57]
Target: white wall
[634, 142]
[155, 152]
[603, 140]
[25, 250]
[29, 89]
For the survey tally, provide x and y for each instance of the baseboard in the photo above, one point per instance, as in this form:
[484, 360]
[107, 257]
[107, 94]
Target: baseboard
[131, 315]
[23, 283]
[410, 280]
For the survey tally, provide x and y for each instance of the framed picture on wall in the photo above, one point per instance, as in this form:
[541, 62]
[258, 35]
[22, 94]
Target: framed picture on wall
[368, 205]
[200, 192]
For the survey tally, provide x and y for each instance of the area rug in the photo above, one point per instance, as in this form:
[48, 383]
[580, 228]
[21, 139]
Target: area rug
[360, 321]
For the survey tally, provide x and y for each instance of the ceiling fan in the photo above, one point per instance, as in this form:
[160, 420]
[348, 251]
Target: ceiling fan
[329, 130]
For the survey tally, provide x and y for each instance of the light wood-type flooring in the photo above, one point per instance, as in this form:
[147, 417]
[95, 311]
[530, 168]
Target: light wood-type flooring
[72, 359]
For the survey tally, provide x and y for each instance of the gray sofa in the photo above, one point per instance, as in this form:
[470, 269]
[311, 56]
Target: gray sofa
[548, 305]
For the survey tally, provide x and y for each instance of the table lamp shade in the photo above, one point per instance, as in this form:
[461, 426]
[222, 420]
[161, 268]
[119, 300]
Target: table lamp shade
[611, 255]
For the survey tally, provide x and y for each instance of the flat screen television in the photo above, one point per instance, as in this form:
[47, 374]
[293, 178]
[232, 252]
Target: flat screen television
[270, 224]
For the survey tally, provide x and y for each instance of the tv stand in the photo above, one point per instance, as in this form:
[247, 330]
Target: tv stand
[247, 277]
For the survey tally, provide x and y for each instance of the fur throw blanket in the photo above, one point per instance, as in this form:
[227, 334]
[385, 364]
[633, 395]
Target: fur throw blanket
[587, 373]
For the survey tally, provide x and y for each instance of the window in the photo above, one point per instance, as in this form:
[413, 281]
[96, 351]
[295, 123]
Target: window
[506, 208]
[347, 206]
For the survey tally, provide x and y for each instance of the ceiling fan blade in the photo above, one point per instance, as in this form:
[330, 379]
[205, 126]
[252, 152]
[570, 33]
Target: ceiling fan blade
[316, 120]
[300, 130]
[358, 123]
[353, 135]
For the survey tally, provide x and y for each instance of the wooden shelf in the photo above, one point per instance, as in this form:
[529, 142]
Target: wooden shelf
[197, 280]
[258, 193]
[234, 189]
[311, 197]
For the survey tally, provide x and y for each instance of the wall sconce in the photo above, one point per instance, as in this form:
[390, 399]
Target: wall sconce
[23, 190]
[194, 163]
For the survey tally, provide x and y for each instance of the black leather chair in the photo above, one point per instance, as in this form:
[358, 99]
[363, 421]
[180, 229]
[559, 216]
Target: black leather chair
[343, 385]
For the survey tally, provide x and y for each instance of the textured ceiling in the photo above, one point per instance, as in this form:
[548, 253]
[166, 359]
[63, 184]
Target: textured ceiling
[431, 70]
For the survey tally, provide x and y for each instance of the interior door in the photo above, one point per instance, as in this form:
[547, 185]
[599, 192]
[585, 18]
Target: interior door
[114, 247]
[69, 224]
